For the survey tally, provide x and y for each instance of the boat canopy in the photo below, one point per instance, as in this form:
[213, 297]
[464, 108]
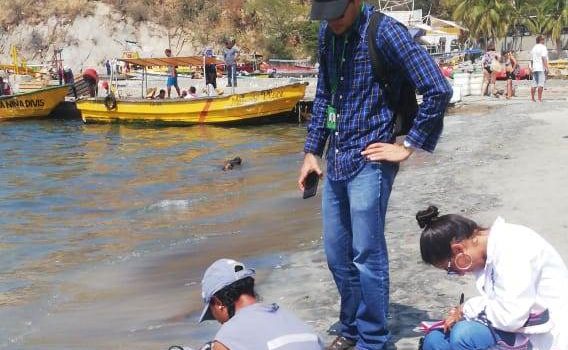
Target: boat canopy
[444, 25]
[171, 61]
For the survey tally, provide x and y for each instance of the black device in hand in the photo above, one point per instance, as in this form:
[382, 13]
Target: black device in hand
[311, 185]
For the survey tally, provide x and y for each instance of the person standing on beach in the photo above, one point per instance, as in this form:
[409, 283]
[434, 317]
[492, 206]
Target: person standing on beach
[511, 70]
[229, 298]
[172, 76]
[539, 67]
[231, 55]
[489, 62]
[350, 109]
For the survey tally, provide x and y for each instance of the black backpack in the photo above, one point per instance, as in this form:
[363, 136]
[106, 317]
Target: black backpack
[404, 106]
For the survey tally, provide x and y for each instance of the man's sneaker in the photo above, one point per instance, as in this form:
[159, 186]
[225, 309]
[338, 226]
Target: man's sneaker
[341, 343]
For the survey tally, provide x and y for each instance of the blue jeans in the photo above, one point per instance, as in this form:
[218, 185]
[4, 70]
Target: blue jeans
[465, 335]
[353, 214]
[231, 75]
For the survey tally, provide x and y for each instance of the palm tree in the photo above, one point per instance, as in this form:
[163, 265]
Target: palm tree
[488, 19]
[536, 20]
[556, 21]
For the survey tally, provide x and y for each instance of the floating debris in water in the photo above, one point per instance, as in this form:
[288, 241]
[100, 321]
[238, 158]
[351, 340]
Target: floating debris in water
[231, 163]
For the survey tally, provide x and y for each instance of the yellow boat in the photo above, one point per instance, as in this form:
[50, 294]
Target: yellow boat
[38, 103]
[206, 110]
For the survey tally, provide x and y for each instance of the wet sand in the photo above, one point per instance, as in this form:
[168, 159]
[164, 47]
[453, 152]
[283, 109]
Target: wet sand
[496, 157]
[510, 161]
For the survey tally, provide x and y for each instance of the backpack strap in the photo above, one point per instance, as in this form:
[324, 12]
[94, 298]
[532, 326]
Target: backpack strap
[323, 49]
[377, 61]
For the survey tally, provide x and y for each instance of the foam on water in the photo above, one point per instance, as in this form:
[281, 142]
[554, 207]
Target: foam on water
[107, 228]
[173, 204]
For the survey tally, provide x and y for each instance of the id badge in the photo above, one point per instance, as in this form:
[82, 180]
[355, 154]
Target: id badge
[331, 118]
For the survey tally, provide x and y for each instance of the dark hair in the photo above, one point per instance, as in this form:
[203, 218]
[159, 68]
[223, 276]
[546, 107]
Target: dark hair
[192, 89]
[231, 293]
[439, 233]
[491, 47]
[539, 39]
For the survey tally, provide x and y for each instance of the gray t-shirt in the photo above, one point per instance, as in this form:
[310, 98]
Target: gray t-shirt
[267, 327]
[230, 55]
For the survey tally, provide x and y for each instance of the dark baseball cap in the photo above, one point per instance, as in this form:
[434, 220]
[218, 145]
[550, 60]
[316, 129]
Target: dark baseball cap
[328, 9]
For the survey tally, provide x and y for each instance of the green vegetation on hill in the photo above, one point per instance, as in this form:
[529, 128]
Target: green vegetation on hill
[277, 28]
[281, 28]
[493, 19]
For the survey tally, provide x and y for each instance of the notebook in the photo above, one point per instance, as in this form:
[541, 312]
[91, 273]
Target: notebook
[428, 326]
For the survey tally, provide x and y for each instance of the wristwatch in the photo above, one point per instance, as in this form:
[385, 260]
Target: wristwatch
[408, 146]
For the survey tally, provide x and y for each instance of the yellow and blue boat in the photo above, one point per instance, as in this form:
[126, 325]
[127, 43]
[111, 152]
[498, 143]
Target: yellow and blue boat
[33, 104]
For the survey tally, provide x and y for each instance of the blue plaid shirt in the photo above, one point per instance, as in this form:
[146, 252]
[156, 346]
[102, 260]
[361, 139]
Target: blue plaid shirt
[364, 116]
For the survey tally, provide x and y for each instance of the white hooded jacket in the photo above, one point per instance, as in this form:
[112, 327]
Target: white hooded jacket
[523, 275]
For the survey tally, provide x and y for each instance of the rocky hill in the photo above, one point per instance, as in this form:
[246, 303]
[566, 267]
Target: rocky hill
[89, 32]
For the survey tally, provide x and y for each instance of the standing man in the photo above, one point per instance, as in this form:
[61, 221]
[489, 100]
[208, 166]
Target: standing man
[230, 56]
[351, 111]
[210, 68]
[172, 76]
[107, 66]
[539, 67]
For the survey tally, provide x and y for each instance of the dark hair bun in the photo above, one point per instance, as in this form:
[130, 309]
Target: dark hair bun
[425, 217]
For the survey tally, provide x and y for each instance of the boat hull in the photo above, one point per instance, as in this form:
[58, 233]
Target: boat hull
[34, 104]
[208, 110]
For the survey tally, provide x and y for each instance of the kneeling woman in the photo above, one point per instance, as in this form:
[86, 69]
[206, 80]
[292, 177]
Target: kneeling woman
[522, 280]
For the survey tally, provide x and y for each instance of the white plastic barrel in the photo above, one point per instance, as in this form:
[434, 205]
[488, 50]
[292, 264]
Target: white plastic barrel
[475, 81]
[462, 80]
[456, 95]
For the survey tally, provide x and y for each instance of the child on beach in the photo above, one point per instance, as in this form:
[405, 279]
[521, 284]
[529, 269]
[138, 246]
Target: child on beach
[511, 69]
[521, 278]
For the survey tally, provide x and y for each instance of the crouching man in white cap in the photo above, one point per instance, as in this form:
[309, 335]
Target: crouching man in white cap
[229, 297]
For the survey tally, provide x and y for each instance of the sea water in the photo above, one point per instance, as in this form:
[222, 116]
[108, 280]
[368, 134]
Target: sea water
[105, 230]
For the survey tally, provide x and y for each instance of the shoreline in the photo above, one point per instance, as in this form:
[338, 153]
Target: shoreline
[496, 157]
[481, 180]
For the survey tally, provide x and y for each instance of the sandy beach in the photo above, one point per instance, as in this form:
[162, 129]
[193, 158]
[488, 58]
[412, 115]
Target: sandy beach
[496, 158]
[109, 228]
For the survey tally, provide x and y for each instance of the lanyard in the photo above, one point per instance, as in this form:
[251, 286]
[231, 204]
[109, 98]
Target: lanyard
[339, 67]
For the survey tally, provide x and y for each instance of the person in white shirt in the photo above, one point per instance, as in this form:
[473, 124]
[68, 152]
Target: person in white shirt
[539, 67]
[192, 93]
[521, 278]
